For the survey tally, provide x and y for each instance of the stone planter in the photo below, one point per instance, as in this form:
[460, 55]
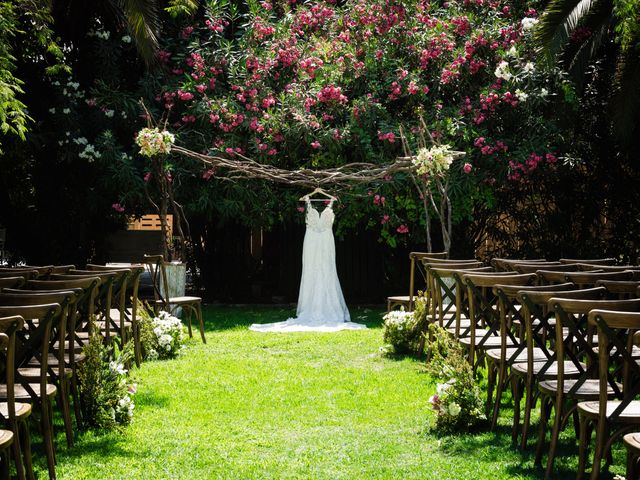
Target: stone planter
[176, 282]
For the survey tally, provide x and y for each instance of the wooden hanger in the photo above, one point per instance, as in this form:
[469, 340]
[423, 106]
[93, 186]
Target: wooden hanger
[320, 191]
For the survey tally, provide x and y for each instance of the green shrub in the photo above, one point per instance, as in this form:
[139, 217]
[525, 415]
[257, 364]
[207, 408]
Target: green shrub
[457, 402]
[105, 390]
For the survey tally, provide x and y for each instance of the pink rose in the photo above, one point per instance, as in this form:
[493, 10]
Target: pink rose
[467, 168]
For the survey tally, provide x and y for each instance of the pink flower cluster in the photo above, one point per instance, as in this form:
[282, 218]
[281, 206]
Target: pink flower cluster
[389, 137]
[517, 170]
[378, 200]
[332, 94]
[487, 149]
[216, 24]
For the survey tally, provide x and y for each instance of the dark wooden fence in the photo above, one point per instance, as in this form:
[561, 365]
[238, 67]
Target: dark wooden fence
[240, 265]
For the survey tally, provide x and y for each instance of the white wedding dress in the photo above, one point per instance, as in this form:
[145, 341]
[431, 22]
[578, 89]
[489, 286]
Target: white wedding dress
[321, 305]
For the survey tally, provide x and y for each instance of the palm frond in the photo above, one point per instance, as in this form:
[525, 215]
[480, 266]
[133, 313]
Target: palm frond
[586, 53]
[557, 23]
[143, 21]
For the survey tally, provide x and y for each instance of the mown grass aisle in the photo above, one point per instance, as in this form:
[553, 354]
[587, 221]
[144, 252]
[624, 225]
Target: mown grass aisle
[297, 405]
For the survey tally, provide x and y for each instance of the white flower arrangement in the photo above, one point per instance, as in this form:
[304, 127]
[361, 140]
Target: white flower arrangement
[433, 161]
[168, 333]
[399, 331]
[154, 142]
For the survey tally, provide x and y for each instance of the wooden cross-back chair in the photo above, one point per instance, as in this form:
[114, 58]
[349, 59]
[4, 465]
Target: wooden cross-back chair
[115, 319]
[444, 308]
[11, 282]
[80, 318]
[632, 444]
[592, 261]
[33, 342]
[6, 436]
[61, 357]
[103, 300]
[575, 348]
[557, 274]
[190, 305]
[26, 274]
[126, 313]
[526, 267]
[45, 271]
[611, 418]
[15, 415]
[506, 264]
[499, 361]
[620, 289]
[484, 332]
[541, 362]
[415, 259]
[589, 279]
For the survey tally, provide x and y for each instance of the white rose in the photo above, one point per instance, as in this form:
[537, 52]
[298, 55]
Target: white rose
[454, 409]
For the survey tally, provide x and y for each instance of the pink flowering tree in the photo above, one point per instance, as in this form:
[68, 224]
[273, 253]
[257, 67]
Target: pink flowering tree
[319, 85]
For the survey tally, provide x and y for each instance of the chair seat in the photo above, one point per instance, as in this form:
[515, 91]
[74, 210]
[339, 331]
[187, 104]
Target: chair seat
[632, 441]
[21, 393]
[33, 373]
[399, 299]
[185, 299]
[570, 369]
[491, 342]
[631, 414]
[538, 355]
[589, 390]
[6, 438]
[52, 360]
[23, 410]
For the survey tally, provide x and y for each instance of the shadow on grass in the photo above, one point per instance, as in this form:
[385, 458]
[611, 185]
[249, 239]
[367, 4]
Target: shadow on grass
[149, 399]
[494, 446]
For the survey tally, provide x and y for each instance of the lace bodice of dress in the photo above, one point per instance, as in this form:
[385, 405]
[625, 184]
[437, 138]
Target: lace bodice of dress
[320, 221]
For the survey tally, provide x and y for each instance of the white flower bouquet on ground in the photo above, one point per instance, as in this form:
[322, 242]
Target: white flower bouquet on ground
[162, 336]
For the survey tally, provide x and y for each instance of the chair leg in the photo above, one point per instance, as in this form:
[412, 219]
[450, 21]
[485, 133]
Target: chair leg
[515, 387]
[492, 373]
[17, 454]
[555, 435]
[187, 312]
[585, 439]
[4, 470]
[200, 321]
[63, 402]
[598, 453]
[545, 410]
[137, 346]
[25, 444]
[47, 436]
[502, 373]
[75, 394]
[632, 460]
[529, 404]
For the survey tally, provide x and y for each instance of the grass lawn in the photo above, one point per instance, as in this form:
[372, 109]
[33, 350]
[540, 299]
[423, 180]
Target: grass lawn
[295, 405]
